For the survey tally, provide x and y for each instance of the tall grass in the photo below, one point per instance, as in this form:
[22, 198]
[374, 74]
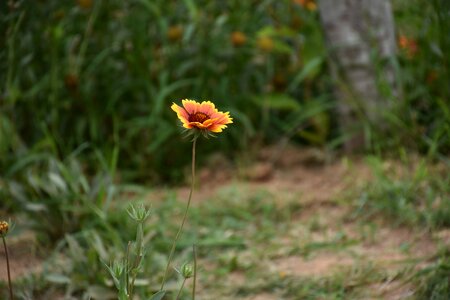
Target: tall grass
[104, 73]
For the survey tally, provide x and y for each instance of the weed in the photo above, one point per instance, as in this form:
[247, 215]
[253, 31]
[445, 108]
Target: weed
[433, 282]
[418, 197]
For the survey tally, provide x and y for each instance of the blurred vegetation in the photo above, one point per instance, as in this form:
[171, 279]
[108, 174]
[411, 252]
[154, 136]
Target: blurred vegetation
[101, 75]
[418, 198]
[105, 73]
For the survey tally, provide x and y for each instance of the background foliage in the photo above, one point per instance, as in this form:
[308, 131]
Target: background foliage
[101, 75]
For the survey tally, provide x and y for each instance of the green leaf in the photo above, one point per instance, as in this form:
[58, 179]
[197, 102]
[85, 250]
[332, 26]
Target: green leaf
[158, 296]
[281, 47]
[57, 278]
[278, 102]
[308, 71]
[99, 292]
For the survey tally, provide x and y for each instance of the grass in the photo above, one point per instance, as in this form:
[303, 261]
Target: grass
[103, 75]
[249, 242]
[417, 196]
[434, 282]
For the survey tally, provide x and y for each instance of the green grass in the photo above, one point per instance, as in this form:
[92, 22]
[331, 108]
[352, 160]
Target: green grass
[104, 77]
[434, 281]
[418, 196]
[238, 232]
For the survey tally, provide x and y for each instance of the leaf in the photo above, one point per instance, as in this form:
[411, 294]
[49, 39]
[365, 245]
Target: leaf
[192, 8]
[57, 278]
[158, 296]
[99, 292]
[279, 102]
[309, 70]
[97, 243]
[266, 31]
[36, 207]
[58, 181]
[281, 47]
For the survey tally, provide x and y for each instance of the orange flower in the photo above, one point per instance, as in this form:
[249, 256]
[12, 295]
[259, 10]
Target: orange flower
[308, 4]
[265, 43]
[403, 42]
[409, 45]
[238, 38]
[203, 116]
[174, 33]
[86, 4]
[311, 6]
[4, 227]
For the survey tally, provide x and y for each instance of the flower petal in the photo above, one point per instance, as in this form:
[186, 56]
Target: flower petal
[181, 112]
[209, 122]
[191, 106]
[217, 128]
[222, 118]
[199, 125]
[208, 108]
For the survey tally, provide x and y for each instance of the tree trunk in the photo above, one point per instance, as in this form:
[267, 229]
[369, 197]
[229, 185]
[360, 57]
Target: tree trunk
[361, 42]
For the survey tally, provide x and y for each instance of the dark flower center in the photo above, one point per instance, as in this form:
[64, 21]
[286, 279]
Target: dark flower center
[198, 117]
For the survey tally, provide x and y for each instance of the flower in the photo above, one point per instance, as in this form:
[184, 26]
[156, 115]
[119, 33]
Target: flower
[308, 4]
[238, 38]
[403, 41]
[4, 227]
[409, 45]
[174, 33]
[187, 270]
[265, 43]
[203, 116]
[86, 4]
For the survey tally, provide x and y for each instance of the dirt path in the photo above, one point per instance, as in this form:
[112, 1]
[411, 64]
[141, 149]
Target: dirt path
[22, 254]
[338, 243]
[319, 188]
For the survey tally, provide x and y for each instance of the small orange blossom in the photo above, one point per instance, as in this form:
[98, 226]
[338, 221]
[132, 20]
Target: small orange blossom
[203, 116]
[308, 4]
[265, 43]
[174, 33]
[86, 4]
[403, 41]
[409, 45]
[238, 38]
[4, 227]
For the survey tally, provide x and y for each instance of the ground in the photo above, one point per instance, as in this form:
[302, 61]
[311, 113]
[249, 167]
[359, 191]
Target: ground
[319, 242]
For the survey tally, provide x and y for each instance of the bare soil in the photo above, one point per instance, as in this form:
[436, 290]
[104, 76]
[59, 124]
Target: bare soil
[23, 257]
[318, 184]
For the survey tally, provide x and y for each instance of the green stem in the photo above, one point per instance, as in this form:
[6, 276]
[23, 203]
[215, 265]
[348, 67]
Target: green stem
[127, 266]
[7, 267]
[138, 258]
[194, 142]
[181, 288]
[195, 271]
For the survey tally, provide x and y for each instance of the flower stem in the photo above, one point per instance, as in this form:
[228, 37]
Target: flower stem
[135, 267]
[7, 267]
[181, 288]
[172, 250]
[195, 271]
